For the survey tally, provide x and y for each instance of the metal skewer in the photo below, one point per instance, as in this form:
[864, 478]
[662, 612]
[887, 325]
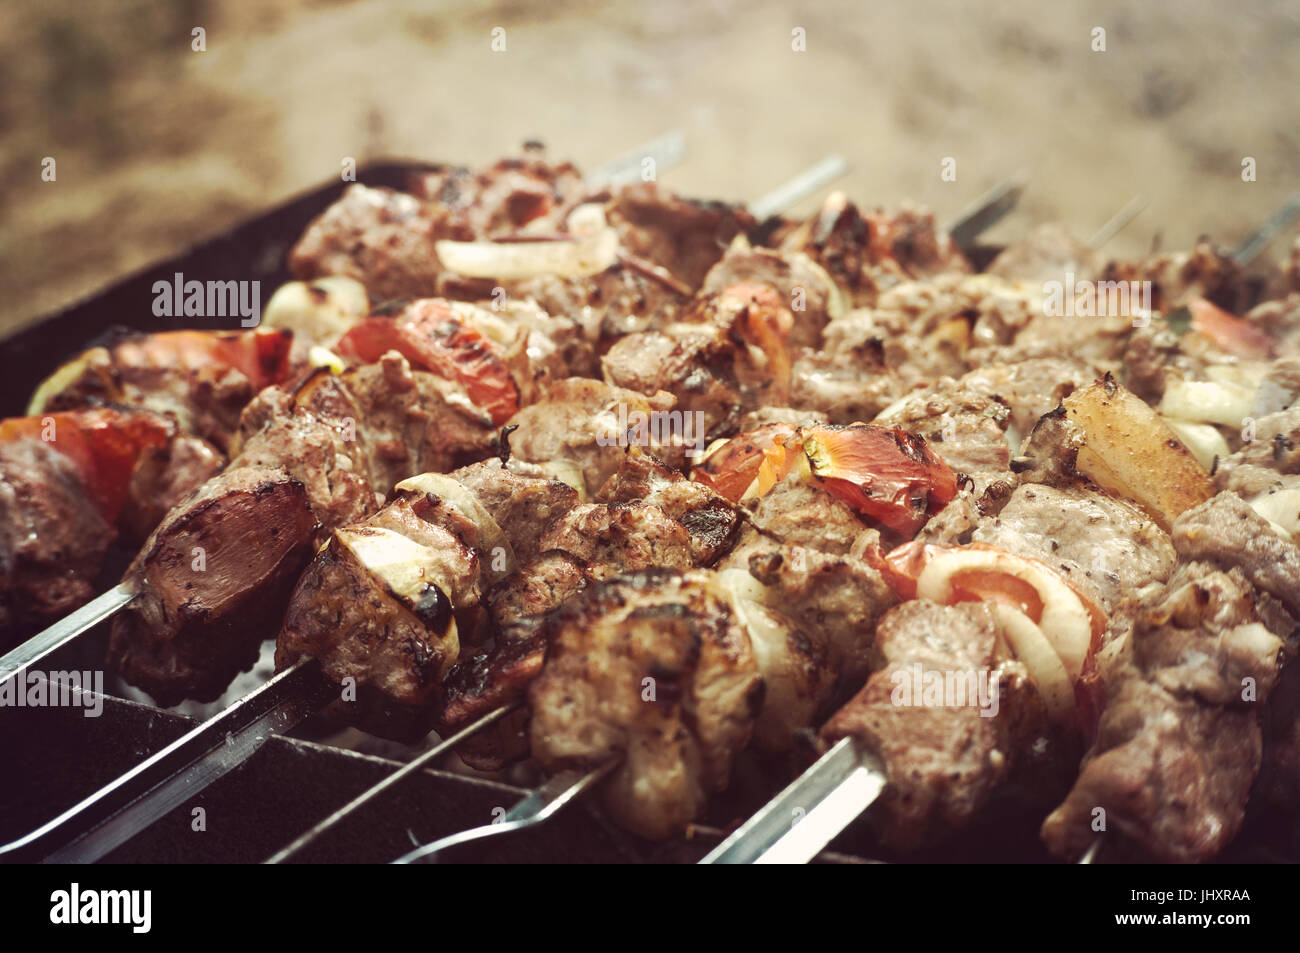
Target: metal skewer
[539, 807]
[130, 803]
[667, 150]
[794, 826]
[361, 800]
[1258, 240]
[986, 211]
[65, 630]
[806, 183]
[1118, 222]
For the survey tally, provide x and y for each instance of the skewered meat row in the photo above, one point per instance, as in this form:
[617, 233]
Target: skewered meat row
[213, 578]
[971, 363]
[1047, 397]
[203, 380]
[71, 483]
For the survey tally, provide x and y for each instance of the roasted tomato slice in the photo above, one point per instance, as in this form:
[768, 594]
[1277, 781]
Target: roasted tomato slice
[885, 473]
[431, 336]
[261, 355]
[104, 445]
[1044, 621]
[1229, 331]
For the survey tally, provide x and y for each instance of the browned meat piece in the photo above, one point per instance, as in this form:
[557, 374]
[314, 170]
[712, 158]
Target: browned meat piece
[490, 679]
[966, 427]
[538, 586]
[502, 671]
[307, 433]
[798, 676]
[53, 537]
[654, 667]
[837, 598]
[696, 363]
[801, 283]
[780, 415]
[1172, 776]
[846, 389]
[523, 506]
[163, 478]
[1030, 388]
[686, 237]
[377, 606]
[1205, 271]
[867, 254]
[71, 482]
[504, 197]
[710, 520]
[1047, 253]
[1106, 547]
[944, 757]
[798, 513]
[415, 422]
[619, 537]
[1227, 532]
[582, 421]
[620, 300]
[380, 237]
[1276, 448]
[212, 581]
[1178, 745]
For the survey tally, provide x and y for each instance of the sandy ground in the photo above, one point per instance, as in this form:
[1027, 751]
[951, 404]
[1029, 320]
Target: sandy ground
[157, 145]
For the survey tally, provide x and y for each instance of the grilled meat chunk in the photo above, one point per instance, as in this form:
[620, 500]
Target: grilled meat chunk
[380, 237]
[1106, 547]
[584, 421]
[794, 277]
[684, 236]
[1179, 741]
[376, 607]
[618, 537]
[1226, 531]
[968, 428]
[948, 717]
[71, 483]
[710, 520]
[653, 667]
[211, 582]
[53, 538]
[840, 598]
[522, 505]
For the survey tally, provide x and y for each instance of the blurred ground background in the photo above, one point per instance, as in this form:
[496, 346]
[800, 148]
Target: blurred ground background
[158, 146]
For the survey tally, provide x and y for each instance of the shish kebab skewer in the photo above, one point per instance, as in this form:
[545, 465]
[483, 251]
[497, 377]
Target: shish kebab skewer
[284, 696]
[95, 373]
[204, 378]
[849, 778]
[842, 765]
[581, 780]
